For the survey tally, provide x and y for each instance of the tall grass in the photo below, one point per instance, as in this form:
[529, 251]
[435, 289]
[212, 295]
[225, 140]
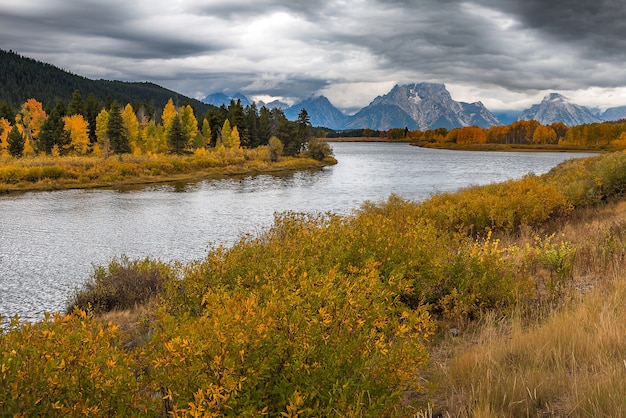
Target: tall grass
[571, 362]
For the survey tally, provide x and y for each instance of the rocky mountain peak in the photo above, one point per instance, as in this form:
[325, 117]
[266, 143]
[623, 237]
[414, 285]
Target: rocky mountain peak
[431, 106]
[558, 108]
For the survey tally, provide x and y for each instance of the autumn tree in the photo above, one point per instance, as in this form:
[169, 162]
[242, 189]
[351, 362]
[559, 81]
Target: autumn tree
[225, 134]
[154, 138]
[15, 142]
[275, 148]
[189, 123]
[78, 131]
[205, 136]
[168, 115]
[235, 139]
[115, 130]
[544, 135]
[471, 135]
[102, 123]
[131, 129]
[5, 128]
[29, 120]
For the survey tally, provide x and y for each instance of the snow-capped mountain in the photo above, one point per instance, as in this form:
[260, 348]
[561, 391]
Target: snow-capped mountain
[430, 106]
[558, 108]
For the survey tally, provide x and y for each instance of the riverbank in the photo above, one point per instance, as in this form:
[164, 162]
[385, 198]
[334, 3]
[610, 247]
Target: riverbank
[56, 173]
[498, 300]
[481, 147]
[364, 139]
[514, 147]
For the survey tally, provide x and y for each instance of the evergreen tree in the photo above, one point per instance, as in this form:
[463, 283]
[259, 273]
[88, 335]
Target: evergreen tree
[93, 106]
[52, 131]
[115, 130]
[7, 112]
[16, 142]
[76, 105]
[305, 130]
[252, 139]
[264, 126]
[177, 137]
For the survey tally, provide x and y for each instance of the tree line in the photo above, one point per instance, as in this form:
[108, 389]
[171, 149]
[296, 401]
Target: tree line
[94, 127]
[526, 132]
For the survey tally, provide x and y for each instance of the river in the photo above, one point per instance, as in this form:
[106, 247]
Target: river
[50, 241]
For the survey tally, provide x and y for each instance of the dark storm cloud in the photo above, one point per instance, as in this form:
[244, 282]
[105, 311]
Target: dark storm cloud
[341, 47]
[599, 24]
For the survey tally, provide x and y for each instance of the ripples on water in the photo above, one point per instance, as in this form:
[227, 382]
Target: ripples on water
[49, 241]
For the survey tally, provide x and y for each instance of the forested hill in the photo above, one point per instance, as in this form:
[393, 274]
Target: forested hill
[23, 78]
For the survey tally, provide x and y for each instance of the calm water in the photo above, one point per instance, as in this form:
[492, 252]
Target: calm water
[49, 241]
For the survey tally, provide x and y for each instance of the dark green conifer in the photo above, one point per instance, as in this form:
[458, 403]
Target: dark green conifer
[16, 142]
[115, 130]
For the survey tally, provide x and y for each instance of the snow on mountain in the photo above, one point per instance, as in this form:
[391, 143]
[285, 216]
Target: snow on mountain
[558, 108]
[430, 106]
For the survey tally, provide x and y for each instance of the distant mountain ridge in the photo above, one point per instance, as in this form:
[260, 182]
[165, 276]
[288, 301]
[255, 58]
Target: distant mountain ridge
[415, 106]
[321, 112]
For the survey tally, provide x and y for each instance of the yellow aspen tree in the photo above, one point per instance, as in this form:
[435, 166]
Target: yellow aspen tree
[235, 140]
[189, 123]
[206, 133]
[154, 139]
[5, 128]
[131, 126]
[29, 120]
[226, 133]
[102, 122]
[78, 129]
[544, 135]
[168, 115]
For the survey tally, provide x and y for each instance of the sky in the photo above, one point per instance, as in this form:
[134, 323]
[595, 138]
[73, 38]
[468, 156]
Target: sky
[508, 54]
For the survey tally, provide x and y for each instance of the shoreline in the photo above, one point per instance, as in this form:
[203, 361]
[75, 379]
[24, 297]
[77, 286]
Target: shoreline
[479, 147]
[230, 171]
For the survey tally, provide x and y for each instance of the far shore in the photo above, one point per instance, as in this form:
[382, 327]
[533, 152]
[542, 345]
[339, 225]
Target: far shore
[479, 147]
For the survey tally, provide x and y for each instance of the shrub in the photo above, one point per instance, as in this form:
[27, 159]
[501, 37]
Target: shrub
[122, 285]
[319, 150]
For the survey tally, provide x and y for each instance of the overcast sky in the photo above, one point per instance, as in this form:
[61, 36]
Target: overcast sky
[506, 53]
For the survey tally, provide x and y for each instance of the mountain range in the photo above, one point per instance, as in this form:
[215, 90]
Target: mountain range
[427, 106]
[415, 106]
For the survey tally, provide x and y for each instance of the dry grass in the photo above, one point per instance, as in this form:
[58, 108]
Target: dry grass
[570, 362]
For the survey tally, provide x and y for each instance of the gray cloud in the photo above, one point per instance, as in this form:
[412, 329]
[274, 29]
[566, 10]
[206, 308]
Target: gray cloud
[511, 50]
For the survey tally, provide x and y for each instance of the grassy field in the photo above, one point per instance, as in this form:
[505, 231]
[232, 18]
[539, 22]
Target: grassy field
[502, 300]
